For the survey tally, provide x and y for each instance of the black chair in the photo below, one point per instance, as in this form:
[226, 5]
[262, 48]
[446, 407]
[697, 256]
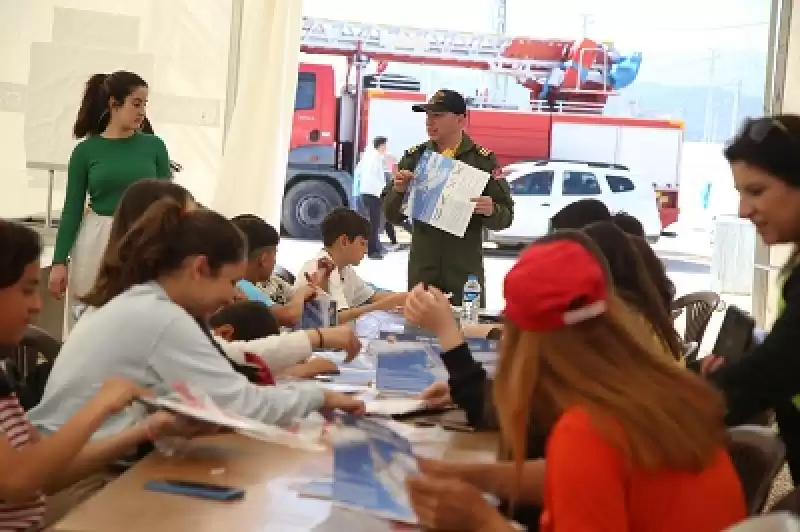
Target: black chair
[698, 306]
[29, 363]
[758, 455]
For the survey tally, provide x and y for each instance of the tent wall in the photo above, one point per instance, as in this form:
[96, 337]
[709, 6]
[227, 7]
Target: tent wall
[183, 50]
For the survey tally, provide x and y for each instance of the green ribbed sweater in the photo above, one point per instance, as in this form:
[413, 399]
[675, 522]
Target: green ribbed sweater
[102, 169]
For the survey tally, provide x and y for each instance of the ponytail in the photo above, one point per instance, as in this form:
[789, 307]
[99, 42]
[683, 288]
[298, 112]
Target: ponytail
[95, 111]
[159, 242]
[93, 114]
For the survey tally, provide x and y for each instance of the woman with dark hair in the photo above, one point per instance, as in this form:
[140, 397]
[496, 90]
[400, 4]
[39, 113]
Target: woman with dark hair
[765, 159]
[113, 154]
[633, 284]
[656, 270]
[156, 286]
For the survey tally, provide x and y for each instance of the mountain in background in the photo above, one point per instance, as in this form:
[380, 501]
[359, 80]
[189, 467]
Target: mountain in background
[675, 87]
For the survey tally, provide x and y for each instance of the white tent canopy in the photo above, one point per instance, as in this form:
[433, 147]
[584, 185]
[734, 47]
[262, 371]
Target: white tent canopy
[51, 47]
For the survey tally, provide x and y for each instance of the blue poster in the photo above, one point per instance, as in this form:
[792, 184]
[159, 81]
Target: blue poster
[371, 464]
[430, 178]
[404, 367]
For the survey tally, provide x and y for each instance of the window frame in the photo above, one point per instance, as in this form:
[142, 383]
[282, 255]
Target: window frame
[621, 178]
[306, 78]
[566, 172]
[528, 192]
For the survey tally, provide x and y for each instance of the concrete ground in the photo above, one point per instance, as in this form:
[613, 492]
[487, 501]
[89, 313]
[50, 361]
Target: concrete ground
[688, 270]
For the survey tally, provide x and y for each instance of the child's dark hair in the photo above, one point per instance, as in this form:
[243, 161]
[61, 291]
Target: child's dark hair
[250, 320]
[629, 224]
[632, 282]
[343, 221]
[94, 113]
[377, 142]
[21, 246]
[157, 244]
[579, 214]
[136, 200]
[656, 270]
[257, 233]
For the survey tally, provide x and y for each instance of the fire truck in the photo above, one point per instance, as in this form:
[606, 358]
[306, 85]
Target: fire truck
[570, 83]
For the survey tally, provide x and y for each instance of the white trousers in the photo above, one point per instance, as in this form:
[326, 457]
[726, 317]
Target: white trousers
[85, 258]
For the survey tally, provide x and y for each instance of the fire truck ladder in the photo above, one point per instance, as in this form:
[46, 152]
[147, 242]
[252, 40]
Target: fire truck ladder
[381, 42]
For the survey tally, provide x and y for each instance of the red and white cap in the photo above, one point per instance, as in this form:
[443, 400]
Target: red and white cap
[553, 285]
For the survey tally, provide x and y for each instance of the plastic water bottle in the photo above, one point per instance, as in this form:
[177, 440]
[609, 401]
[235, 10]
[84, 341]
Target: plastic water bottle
[471, 300]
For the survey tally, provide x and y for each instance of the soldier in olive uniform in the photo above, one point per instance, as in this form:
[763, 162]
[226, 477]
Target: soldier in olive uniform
[438, 258]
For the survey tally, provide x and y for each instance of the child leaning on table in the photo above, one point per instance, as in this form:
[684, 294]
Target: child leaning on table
[262, 247]
[33, 467]
[344, 237]
[249, 334]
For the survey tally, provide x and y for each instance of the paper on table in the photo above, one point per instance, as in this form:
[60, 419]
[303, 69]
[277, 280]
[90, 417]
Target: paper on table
[320, 488]
[441, 192]
[343, 387]
[206, 413]
[394, 406]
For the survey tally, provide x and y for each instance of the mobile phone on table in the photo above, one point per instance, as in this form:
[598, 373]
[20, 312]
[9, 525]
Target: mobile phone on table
[201, 490]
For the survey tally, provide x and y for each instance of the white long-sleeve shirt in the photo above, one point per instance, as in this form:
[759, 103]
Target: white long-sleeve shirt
[143, 336]
[280, 352]
[371, 173]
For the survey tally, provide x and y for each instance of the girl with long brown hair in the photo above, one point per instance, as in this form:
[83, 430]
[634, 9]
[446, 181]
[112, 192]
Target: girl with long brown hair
[635, 441]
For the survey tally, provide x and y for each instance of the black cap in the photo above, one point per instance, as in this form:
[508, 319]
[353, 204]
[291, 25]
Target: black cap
[443, 101]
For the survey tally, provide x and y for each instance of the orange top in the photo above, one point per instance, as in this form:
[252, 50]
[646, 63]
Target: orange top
[589, 487]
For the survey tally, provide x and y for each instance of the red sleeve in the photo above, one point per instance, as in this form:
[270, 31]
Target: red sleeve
[585, 485]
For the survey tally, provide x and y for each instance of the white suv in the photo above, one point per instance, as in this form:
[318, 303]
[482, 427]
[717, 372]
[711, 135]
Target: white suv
[542, 188]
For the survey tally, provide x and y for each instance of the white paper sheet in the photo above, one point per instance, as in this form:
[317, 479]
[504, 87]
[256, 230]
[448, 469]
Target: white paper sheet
[394, 406]
[206, 413]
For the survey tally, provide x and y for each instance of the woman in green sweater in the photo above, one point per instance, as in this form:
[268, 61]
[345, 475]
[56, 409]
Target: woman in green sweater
[113, 154]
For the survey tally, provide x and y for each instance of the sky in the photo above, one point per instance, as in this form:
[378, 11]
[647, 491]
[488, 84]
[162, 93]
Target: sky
[675, 38]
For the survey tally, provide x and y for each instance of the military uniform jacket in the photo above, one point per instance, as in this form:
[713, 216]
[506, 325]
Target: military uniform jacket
[438, 258]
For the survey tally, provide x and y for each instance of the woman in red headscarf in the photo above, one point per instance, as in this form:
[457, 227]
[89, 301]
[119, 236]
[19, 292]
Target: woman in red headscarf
[635, 441]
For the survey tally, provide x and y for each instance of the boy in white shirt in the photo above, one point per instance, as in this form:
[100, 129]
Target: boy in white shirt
[249, 328]
[344, 236]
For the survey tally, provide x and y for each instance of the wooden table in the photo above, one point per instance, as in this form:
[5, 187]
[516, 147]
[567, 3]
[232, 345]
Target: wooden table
[267, 473]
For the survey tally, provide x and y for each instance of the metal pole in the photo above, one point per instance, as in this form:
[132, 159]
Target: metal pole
[707, 124]
[777, 57]
[234, 60]
[737, 97]
[48, 213]
[359, 63]
[500, 26]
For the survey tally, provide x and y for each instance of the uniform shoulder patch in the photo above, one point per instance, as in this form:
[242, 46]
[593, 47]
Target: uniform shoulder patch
[483, 152]
[415, 148]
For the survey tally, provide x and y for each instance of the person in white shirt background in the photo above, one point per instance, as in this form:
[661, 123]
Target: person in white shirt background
[371, 177]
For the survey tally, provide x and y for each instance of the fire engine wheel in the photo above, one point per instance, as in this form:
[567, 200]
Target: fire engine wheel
[305, 205]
